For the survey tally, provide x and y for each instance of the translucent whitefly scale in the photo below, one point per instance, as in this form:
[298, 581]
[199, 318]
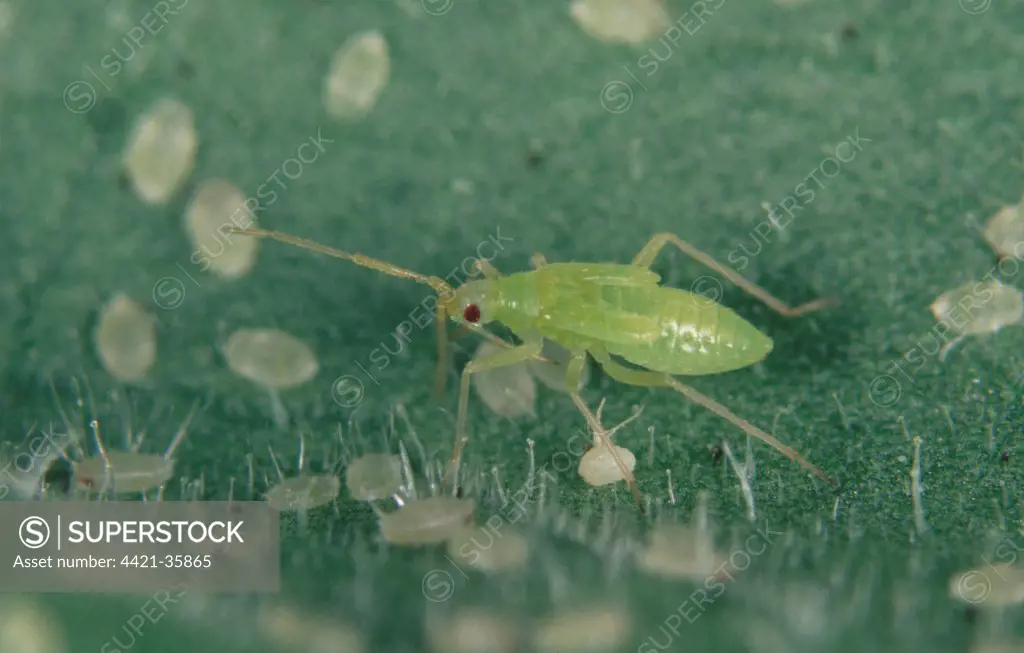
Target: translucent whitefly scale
[597, 466]
[273, 360]
[976, 308]
[1006, 306]
[473, 630]
[990, 586]
[685, 552]
[216, 206]
[126, 339]
[303, 492]
[509, 391]
[374, 476]
[489, 549]
[1004, 231]
[128, 472]
[26, 627]
[161, 150]
[588, 629]
[426, 521]
[621, 21]
[357, 76]
[553, 374]
[270, 358]
[288, 627]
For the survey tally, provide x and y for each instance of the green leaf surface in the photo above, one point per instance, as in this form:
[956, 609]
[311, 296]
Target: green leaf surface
[504, 117]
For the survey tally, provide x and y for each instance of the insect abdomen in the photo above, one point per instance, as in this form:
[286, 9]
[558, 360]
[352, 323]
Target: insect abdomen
[696, 336]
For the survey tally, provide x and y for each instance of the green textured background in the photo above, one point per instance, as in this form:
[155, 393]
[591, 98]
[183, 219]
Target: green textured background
[741, 112]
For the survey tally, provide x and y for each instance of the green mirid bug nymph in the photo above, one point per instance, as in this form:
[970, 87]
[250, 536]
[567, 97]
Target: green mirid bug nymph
[604, 310]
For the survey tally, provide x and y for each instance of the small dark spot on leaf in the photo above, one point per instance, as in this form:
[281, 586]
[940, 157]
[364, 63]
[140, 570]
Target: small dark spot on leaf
[849, 32]
[1005, 457]
[108, 119]
[716, 453]
[534, 155]
[184, 69]
[971, 615]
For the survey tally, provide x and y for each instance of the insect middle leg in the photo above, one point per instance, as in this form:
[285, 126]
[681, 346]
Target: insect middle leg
[647, 378]
[496, 360]
[658, 242]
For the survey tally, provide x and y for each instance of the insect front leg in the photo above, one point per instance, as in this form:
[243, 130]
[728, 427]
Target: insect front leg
[441, 324]
[440, 374]
[647, 378]
[658, 242]
[499, 359]
[573, 376]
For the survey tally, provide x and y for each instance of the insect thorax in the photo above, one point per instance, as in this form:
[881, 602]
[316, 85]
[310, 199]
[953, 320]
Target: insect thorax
[515, 302]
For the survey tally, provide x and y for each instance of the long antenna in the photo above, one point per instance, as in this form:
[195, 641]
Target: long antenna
[438, 284]
[444, 291]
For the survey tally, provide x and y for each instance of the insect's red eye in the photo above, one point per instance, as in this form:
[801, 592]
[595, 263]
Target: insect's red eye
[472, 313]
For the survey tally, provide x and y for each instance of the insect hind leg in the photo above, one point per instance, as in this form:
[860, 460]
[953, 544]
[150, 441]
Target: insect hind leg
[647, 378]
[646, 256]
[573, 377]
